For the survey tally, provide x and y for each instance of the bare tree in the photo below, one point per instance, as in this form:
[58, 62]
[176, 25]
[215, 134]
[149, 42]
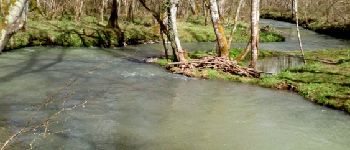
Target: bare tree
[222, 45]
[235, 22]
[78, 9]
[102, 10]
[173, 34]
[169, 29]
[131, 7]
[162, 25]
[205, 11]
[221, 7]
[255, 15]
[13, 21]
[295, 2]
[113, 21]
[193, 6]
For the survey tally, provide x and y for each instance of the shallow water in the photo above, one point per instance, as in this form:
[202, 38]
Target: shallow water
[274, 65]
[131, 105]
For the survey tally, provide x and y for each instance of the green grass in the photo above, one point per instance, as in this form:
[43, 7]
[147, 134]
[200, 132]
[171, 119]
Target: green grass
[191, 32]
[322, 83]
[162, 62]
[234, 52]
[85, 34]
[90, 33]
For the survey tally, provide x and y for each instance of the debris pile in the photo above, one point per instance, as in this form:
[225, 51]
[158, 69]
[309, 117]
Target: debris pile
[217, 63]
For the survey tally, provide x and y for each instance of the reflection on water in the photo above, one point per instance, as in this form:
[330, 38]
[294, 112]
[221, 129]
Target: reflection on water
[131, 105]
[273, 65]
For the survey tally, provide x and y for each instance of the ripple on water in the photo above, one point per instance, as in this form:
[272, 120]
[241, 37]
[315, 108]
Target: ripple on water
[141, 106]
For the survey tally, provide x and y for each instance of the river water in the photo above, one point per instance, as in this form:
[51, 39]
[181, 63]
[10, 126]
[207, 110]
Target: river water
[80, 98]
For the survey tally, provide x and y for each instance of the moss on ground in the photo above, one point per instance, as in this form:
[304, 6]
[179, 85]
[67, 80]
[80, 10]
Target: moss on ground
[90, 33]
[235, 52]
[85, 34]
[323, 83]
[191, 32]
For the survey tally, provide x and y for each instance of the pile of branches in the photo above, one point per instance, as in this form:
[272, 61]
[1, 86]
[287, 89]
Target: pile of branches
[217, 63]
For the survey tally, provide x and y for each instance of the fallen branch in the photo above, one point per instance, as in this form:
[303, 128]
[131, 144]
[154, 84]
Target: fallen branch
[42, 124]
[217, 63]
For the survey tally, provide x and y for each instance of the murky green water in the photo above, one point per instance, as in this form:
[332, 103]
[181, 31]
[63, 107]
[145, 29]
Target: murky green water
[131, 105]
[79, 98]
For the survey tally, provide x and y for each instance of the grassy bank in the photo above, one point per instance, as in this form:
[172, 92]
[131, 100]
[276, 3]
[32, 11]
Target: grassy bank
[89, 33]
[325, 79]
[315, 24]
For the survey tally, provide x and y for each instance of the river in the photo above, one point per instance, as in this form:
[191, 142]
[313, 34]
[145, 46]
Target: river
[93, 98]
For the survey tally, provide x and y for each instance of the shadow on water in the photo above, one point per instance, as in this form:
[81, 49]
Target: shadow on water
[31, 63]
[141, 106]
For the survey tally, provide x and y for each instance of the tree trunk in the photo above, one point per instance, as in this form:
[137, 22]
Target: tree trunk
[173, 34]
[254, 32]
[162, 26]
[293, 9]
[244, 53]
[298, 31]
[1, 14]
[102, 10]
[78, 10]
[113, 21]
[205, 12]
[14, 21]
[221, 7]
[235, 22]
[222, 45]
[193, 7]
[131, 11]
[164, 44]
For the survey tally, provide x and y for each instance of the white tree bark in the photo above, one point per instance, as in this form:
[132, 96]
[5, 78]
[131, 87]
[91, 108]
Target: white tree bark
[219, 30]
[295, 2]
[255, 15]
[14, 21]
[221, 7]
[193, 6]
[172, 26]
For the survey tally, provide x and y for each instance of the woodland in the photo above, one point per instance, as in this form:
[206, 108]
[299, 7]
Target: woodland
[311, 36]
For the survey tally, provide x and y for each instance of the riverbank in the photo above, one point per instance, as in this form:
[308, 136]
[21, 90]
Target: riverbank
[90, 33]
[325, 79]
[332, 29]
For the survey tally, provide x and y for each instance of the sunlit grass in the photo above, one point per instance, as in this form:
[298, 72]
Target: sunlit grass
[325, 84]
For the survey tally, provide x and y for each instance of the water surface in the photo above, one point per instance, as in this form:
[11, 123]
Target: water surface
[112, 101]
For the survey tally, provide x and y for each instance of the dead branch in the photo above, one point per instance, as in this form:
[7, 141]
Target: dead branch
[218, 63]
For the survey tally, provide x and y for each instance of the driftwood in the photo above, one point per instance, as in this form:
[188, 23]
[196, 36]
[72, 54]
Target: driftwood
[217, 63]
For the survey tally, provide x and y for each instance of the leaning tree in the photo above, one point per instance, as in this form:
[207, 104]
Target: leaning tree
[14, 18]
